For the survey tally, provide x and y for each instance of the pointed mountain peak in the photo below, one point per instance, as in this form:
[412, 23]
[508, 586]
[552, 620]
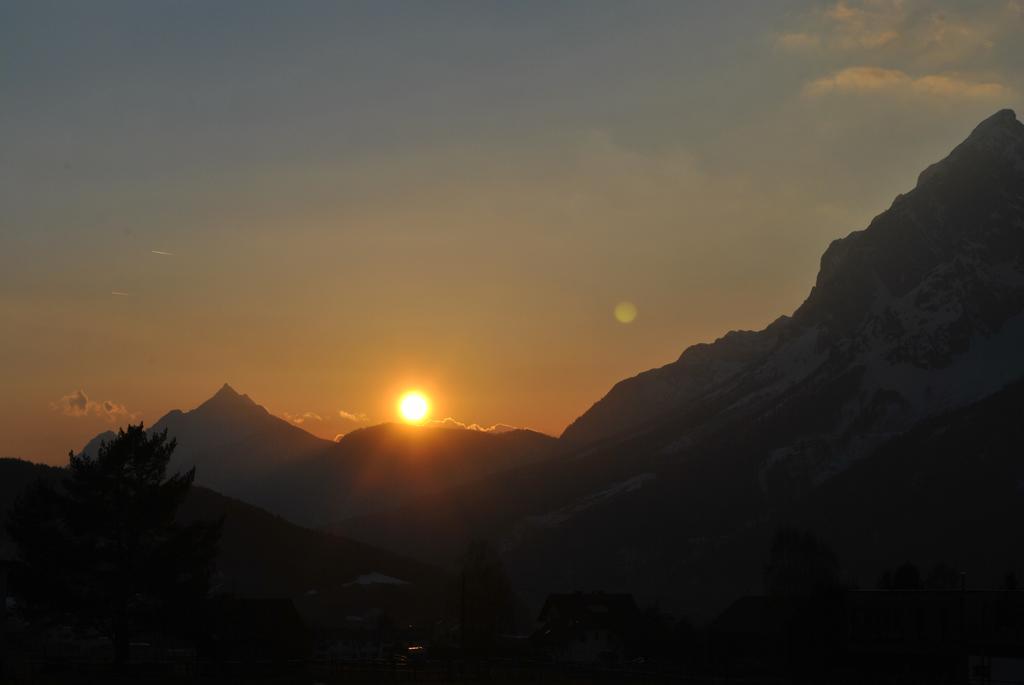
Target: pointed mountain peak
[229, 397]
[996, 141]
[997, 133]
[1004, 119]
[227, 391]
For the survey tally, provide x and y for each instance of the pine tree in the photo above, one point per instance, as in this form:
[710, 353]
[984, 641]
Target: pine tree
[102, 548]
[487, 600]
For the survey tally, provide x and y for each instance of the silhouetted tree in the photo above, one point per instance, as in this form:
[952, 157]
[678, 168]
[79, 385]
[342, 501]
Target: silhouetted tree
[907, 577]
[800, 565]
[102, 548]
[487, 602]
[942, 577]
[803, 570]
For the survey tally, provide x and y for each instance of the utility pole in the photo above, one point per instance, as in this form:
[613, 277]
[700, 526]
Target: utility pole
[965, 658]
[3, 616]
[462, 611]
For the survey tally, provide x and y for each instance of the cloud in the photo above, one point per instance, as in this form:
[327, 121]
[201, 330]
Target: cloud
[74, 404]
[947, 39]
[299, 419]
[449, 422]
[355, 417]
[162, 252]
[859, 79]
[78, 404]
[865, 25]
[113, 411]
[865, 80]
[914, 35]
[308, 416]
[328, 424]
[937, 84]
[119, 292]
[798, 41]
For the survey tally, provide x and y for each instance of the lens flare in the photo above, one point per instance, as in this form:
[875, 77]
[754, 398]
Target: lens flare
[625, 312]
[413, 407]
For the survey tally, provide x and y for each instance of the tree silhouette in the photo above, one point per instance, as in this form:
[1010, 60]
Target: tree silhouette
[803, 573]
[800, 565]
[102, 548]
[905, 577]
[942, 577]
[487, 601]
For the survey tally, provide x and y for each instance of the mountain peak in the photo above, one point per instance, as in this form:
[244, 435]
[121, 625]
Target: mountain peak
[997, 133]
[995, 142]
[227, 391]
[229, 397]
[923, 287]
[1003, 119]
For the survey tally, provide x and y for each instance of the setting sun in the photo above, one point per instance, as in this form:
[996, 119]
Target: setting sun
[413, 407]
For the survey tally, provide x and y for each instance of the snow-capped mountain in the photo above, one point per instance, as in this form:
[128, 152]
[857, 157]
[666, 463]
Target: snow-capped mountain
[919, 313]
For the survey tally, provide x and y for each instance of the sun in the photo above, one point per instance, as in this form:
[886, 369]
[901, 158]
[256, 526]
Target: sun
[413, 406]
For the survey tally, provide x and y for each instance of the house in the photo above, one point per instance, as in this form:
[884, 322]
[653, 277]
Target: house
[968, 635]
[965, 636]
[587, 627]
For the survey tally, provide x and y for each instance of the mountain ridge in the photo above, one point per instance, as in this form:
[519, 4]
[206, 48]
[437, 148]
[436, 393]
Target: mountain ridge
[242, 450]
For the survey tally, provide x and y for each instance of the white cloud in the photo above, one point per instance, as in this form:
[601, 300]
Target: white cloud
[449, 422]
[933, 48]
[299, 419]
[328, 424]
[866, 79]
[355, 417]
[78, 404]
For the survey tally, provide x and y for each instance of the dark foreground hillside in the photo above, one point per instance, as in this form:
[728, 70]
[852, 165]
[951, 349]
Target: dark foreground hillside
[262, 555]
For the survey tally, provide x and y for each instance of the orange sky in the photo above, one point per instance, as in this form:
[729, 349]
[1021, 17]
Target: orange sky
[325, 205]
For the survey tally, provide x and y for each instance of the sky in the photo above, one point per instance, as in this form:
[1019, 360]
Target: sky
[327, 203]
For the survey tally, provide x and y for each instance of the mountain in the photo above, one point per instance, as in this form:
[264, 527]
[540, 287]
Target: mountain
[950, 490]
[264, 555]
[918, 314]
[233, 443]
[674, 481]
[382, 466]
[237, 447]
